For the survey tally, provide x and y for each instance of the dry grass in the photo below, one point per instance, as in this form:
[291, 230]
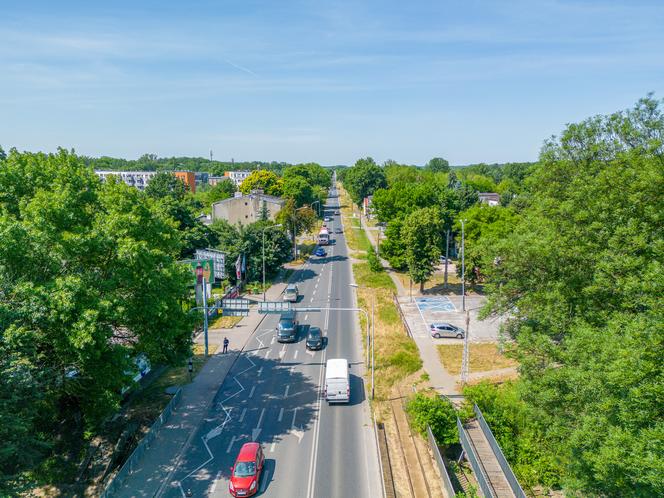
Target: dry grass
[225, 322]
[484, 357]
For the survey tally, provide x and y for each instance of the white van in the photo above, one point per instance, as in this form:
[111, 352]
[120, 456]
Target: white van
[337, 381]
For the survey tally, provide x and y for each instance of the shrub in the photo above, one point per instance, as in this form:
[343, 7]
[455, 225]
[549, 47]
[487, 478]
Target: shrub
[374, 262]
[436, 412]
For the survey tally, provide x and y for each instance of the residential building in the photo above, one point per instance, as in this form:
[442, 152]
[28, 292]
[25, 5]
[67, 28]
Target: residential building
[202, 177]
[215, 180]
[237, 176]
[245, 209]
[490, 198]
[138, 179]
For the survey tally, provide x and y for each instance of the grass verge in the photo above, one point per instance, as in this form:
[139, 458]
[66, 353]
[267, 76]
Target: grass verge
[484, 357]
[225, 322]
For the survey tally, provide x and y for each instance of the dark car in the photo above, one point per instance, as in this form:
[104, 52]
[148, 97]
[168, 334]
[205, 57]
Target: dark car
[287, 327]
[314, 338]
[320, 252]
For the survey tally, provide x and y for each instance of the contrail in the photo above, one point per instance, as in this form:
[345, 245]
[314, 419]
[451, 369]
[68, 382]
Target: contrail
[236, 66]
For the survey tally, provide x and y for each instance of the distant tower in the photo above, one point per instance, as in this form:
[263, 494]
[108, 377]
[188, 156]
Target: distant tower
[210, 155]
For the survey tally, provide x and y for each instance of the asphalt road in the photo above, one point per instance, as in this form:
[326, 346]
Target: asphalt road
[273, 395]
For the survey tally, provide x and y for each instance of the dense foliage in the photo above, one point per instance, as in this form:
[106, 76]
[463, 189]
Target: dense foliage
[363, 179]
[436, 412]
[582, 275]
[88, 279]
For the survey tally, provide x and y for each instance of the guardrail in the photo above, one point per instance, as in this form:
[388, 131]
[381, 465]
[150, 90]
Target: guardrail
[128, 467]
[401, 315]
[445, 476]
[478, 469]
[502, 461]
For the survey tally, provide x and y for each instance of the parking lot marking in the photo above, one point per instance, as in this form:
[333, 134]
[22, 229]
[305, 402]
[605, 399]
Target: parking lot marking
[281, 415]
[286, 393]
[244, 411]
[230, 445]
[251, 393]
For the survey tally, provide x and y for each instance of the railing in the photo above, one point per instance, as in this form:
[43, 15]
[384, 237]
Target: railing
[445, 476]
[478, 469]
[401, 315]
[116, 483]
[507, 470]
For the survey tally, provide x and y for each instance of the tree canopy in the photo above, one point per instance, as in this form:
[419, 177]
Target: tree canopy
[364, 179]
[88, 278]
[267, 181]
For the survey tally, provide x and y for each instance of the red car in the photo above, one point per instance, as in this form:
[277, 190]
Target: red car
[246, 473]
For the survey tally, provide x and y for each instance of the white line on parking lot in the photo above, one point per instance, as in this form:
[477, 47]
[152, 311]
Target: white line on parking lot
[230, 445]
[286, 393]
[259, 372]
[251, 393]
[244, 411]
[281, 414]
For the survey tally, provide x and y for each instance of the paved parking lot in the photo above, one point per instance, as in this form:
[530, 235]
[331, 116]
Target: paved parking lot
[421, 312]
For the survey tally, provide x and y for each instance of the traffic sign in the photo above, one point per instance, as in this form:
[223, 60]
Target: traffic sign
[273, 306]
[235, 307]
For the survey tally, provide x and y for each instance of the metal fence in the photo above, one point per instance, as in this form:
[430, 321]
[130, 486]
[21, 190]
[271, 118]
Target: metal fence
[116, 483]
[445, 476]
[478, 469]
[401, 315]
[507, 470]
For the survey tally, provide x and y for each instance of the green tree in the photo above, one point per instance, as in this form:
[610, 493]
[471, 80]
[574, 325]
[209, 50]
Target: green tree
[297, 188]
[267, 181]
[166, 185]
[222, 190]
[364, 179]
[438, 165]
[422, 235]
[393, 247]
[296, 220]
[88, 278]
[435, 412]
[3, 154]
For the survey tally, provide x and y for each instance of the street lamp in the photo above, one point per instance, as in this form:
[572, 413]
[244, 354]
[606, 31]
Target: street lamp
[265, 228]
[313, 204]
[370, 339]
[463, 267]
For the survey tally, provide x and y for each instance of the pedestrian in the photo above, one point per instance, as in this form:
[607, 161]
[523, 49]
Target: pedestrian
[225, 344]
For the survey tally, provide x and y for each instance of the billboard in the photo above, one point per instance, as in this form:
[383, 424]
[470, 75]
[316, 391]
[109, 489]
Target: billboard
[200, 268]
[219, 259]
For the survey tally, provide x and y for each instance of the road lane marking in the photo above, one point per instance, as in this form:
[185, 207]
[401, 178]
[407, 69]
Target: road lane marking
[282, 352]
[257, 430]
[281, 415]
[295, 356]
[251, 393]
[259, 371]
[294, 415]
[267, 352]
[230, 445]
[272, 447]
[286, 393]
[244, 411]
[272, 341]
[312, 299]
[306, 317]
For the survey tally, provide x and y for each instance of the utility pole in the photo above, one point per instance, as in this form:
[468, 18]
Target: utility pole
[463, 267]
[210, 155]
[205, 316]
[447, 253]
[465, 368]
[373, 342]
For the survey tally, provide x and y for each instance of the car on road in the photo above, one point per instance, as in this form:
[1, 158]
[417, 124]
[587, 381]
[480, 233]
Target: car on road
[327, 219]
[287, 327]
[291, 293]
[444, 329]
[320, 252]
[336, 212]
[246, 473]
[314, 338]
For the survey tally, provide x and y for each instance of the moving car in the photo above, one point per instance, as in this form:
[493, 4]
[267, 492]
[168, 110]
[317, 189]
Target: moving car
[320, 252]
[443, 329]
[327, 218]
[337, 381]
[291, 293]
[314, 338]
[246, 473]
[336, 212]
[287, 327]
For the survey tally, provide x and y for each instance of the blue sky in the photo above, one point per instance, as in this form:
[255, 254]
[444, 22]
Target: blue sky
[324, 81]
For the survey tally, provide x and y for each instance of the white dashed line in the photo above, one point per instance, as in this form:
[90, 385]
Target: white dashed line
[295, 356]
[286, 393]
[244, 411]
[272, 447]
[281, 415]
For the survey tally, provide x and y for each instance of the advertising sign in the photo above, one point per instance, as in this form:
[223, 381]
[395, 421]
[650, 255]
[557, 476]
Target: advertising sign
[219, 259]
[200, 268]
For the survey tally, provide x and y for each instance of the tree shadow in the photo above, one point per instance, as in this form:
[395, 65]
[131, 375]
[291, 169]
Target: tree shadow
[303, 275]
[454, 289]
[252, 404]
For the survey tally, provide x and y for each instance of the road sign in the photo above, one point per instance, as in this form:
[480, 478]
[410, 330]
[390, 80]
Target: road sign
[219, 259]
[273, 306]
[235, 307]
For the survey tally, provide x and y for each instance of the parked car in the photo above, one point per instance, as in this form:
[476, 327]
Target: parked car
[287, 327]
[291, 293]
[314, 338]
[246, 473]
[320, 252]
[443, 329]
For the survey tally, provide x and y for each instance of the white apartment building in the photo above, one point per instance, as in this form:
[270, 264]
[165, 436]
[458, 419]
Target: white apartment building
[138, 179]
[237, 176]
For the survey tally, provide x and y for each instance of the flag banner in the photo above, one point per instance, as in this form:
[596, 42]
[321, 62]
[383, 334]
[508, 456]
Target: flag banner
[238, 267]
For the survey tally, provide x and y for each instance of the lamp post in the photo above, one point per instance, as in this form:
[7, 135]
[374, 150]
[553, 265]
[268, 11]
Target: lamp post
[317, 210]
[463, 267]
[265, 228]
[371, 331]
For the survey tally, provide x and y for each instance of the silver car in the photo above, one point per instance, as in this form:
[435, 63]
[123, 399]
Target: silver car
[291, 293]
[444, 329]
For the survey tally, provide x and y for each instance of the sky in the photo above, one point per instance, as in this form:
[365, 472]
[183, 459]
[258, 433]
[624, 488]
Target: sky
[322, 81]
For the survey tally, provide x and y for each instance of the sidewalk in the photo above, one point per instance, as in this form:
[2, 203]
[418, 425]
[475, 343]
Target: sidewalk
[161, 460]
[441, 380]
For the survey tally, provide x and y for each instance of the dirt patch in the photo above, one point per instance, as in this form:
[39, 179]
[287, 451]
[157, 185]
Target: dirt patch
[484, 357]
